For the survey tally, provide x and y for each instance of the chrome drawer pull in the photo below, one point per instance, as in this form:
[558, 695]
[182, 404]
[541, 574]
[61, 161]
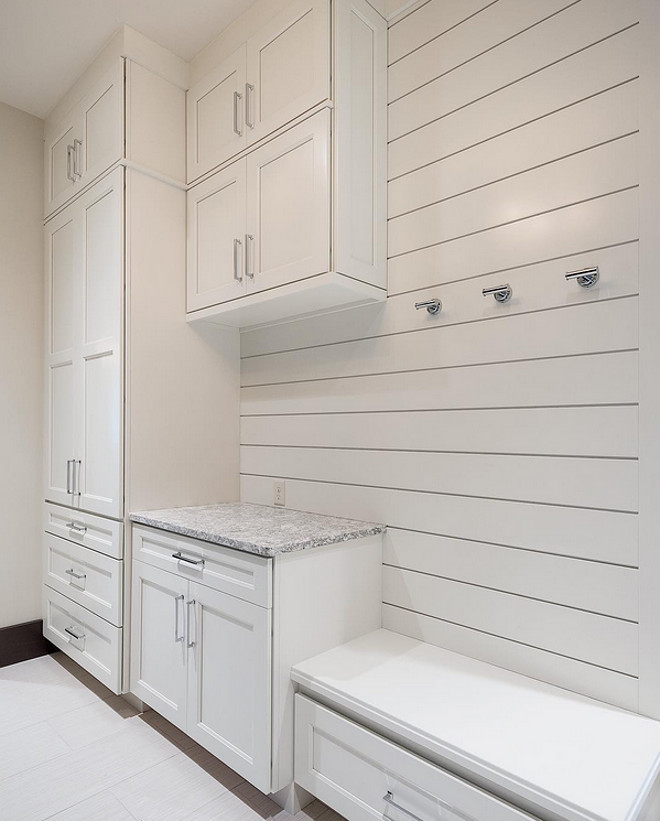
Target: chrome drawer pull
[433, 306]
[73, 633]
[388, 798]
[190, 642]
[199, 563]
[76, 528]
[75, 575]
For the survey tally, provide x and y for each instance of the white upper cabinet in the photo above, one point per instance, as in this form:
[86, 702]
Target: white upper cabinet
[288, 67]
[86, 141]
[281, 72]
[216, 116]
[84, 281]
[313, 169]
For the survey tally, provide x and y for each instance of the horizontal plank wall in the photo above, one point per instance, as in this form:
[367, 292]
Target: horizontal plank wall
[498, 442]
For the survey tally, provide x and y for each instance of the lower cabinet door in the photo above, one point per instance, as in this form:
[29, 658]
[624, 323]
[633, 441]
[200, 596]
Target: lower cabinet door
[158, 641]
[229, 682]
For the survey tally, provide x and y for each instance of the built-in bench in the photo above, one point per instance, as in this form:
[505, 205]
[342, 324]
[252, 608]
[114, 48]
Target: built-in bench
[390, 727]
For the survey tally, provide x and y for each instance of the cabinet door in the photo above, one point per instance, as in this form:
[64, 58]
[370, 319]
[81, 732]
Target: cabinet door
[229, 682]
[158, 641]
[60, 181]
[216, 116]
[62, 336]
[288, 184]
[100, 138]
[99, 472]
[288, 66]
[216, 238]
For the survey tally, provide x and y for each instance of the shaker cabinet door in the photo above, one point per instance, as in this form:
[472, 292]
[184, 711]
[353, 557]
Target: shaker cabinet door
[216, 238]
[158, 641]
[288, 67]
[216, 116]
[229, 674]
[288, 185]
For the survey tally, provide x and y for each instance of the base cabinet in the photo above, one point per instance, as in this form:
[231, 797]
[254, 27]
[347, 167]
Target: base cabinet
[201, 658]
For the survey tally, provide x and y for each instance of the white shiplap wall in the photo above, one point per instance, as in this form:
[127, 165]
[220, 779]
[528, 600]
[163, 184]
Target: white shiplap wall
[498, 442]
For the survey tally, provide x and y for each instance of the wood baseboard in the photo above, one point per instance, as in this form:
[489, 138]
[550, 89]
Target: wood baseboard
[21, 642]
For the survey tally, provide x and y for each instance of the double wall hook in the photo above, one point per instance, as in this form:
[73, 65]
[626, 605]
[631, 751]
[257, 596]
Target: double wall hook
[502, 293]
[433, 306]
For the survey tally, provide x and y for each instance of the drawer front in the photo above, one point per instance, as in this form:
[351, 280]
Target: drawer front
[92, 642]
[363, 776]
[243, 575]
[85, 529]
[85, 576]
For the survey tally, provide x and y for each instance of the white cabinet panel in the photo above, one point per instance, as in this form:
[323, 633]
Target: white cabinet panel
[216, 238]
[288, 67]
[229, 681]
[216, 116]
[158, 641]
[288, 183]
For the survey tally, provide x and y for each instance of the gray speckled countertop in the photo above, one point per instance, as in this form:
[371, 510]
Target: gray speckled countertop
[258, 529]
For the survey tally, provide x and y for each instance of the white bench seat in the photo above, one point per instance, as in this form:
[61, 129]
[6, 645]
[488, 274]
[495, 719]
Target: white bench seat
[552, 753]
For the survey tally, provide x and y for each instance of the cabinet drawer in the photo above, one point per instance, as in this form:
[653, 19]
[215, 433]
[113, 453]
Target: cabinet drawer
[92, 642]
[94, 532]
[240, 574]
[363, 776]
[89, 578]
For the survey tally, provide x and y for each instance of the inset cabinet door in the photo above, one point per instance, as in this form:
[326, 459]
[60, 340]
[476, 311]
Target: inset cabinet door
[216, 116]
[216, 238]
[229, 675]
[288, 67]
[159, 642]
[288, 216]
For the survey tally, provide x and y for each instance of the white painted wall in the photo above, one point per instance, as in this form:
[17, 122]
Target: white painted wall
[21, 358]
[498, 442]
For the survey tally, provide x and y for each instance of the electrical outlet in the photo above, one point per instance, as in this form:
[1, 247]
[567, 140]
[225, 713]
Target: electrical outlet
[279, 494]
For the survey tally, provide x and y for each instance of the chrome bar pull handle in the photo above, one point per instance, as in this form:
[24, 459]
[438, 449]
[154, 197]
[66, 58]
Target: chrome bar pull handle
[585, 277]
[75, 490]
[199, 563]
[75, 575]
[69, 163]
[237, 128]
[177, 637]
[190, 642]
[238, 276]
[69, 484]
[77, 145]
[249, 247]
[249, 122]
[388, 798]
[74, 527]
[502, 293]
[71, 631]
[433, 306]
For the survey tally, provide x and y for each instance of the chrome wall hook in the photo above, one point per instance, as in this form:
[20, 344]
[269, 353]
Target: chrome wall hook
[502, 293]
[433, 306]
[586, 277]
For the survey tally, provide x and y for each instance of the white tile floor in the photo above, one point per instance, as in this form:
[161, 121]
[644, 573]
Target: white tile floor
[72, 751]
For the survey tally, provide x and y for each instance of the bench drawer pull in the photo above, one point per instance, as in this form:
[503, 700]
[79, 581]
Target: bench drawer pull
[388, 798]
[73, 633]
[75, 575]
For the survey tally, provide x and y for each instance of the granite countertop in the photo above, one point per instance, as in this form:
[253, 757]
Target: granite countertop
[258, 529]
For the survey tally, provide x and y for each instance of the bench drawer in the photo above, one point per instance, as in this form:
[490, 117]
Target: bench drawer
[364, 776]
[243, 575]
[85, 529]
[91, 579]
[89, 640]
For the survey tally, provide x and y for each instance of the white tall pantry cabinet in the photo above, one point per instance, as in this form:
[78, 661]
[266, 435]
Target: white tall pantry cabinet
[141, 408]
